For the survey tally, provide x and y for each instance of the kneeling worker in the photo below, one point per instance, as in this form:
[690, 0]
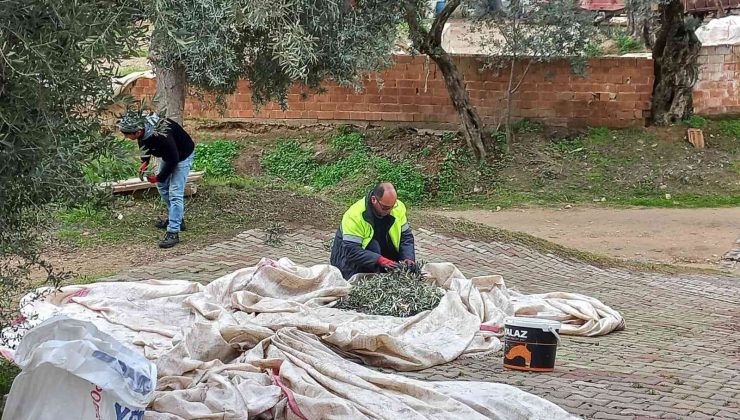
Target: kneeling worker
[374, 234]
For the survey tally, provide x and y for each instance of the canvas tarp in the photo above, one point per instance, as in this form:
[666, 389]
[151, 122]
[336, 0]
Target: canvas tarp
[250, 338]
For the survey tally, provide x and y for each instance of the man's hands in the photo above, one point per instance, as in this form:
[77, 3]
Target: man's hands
[152, 179]
[386, 262]
[142, 169]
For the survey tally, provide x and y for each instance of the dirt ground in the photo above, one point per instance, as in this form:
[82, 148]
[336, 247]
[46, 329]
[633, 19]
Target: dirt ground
[688, 237]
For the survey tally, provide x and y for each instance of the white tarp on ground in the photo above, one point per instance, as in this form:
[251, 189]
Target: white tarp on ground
[722, 31]
[211, 344]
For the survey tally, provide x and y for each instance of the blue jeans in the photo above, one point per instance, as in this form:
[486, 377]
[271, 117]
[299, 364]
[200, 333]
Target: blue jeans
[172, 191]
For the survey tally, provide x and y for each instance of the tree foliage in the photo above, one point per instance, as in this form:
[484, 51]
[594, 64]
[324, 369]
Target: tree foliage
[532, 32]
[55, 62]
[272, 44]
[539, 31]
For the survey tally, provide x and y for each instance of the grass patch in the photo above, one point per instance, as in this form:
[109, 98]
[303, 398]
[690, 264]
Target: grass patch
[695, 121]
[626, 43]
[89, 279]
[611, 167]
[353, 168]
[736, 166]
[348, 142]
[8, 372]
[237, 204]
[638, 166]
[121, 162]
[88, 214]
[527, 126]
[599, 135]
[290, 161]
[730, 127]
[216, 158]
[124, 219]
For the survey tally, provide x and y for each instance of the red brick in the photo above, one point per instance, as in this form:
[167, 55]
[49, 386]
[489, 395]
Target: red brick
[440, 100]
[293, 114]
[297, 105]
[424, 97]
[403, 59]
[387, 90]
[244, 114]
[424, 100]
[407, 100]
[407, 83]
[373, 116]
[358, 107]
[410, 75]
[408, 91]
[389, 116]
[431, 84]
[628, 96]
[372, 99]
[355, 98]
[358, 116]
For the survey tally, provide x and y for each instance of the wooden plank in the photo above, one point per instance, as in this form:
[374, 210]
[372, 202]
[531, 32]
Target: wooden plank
[135, 184]
[696, 137]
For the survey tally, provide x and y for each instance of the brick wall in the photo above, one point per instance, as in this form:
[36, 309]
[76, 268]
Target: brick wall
[615, 93]
[717, 90]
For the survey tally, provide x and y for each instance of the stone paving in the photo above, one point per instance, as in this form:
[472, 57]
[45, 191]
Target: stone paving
[679, 356]
[731, 260]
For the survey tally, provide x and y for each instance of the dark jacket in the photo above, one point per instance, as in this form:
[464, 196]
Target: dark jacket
[173, 146]
[349, 251]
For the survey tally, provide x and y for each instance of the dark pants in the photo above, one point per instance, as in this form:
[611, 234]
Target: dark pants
[348, 269]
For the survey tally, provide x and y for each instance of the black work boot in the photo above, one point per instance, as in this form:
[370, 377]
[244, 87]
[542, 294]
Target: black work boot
[162, 224]
[170, 240]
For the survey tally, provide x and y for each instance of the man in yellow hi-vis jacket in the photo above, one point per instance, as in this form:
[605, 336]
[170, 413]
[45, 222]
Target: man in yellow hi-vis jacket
[374, 235]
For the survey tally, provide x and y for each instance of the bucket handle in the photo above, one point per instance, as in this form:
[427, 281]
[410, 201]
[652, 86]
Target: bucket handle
[555, 332]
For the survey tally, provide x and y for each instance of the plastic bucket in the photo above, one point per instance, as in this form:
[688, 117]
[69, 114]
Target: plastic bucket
[530, 344]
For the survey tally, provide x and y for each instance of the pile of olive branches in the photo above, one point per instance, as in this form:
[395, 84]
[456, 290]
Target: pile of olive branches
[401, 292]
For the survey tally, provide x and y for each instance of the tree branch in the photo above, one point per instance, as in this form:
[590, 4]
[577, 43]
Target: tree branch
[419, 35]
[439, 22]
[526, 69]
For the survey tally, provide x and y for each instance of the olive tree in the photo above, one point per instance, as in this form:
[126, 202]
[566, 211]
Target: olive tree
[525, 33]
[211, 44]
[532, 31]
[669, 32]
[56, 58]
[676, 57]
[426, 38]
